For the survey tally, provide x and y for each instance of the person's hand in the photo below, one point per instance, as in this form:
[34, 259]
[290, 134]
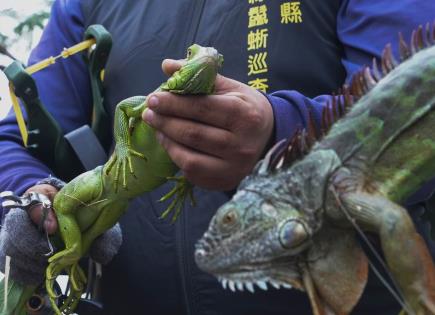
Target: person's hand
[216, 139]
[103, 249]
[21, 240]
[35, 213]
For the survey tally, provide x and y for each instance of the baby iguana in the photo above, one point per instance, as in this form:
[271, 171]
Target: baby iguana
[293, 221]
[94, 201]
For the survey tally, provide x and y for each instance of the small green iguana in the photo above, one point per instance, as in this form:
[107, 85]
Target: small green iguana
[93, 202]
[293, 221]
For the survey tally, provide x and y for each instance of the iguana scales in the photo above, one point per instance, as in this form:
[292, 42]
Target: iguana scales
[293, 220]
[93, 202]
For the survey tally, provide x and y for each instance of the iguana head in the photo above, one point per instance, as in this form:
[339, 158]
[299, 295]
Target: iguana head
[259, 236]
[198, 73]
[253, 240]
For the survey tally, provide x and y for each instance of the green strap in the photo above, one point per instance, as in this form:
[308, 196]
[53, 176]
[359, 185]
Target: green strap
[46, 140]
[45, 137]
[96, 62]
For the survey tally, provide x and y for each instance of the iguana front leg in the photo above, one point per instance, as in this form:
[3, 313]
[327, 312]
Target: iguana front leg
[404, 249]
[127, 113]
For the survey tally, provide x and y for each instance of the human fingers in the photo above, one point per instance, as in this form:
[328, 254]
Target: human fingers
[169, 66]
[36, 213]
[220, 111]
[200, 137]
[235, 108]
[200, 169]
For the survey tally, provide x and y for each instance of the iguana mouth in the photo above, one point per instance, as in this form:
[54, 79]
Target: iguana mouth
[278, 273]
[236, 282]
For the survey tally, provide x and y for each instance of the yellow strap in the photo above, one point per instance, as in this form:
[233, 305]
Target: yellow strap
[64, 54]
[18, 114]
[35, 68]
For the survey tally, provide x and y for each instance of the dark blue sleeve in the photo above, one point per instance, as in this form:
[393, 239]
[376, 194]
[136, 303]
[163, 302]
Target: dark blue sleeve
[63, 88]
[364, 28]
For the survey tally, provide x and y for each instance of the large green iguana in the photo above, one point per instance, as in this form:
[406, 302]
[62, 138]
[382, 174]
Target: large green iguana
[293, 221]
[94, 201]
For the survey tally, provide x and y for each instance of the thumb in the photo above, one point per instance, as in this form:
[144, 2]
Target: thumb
[169, 66]
[50, 221]
[224, 85]
[36, 212]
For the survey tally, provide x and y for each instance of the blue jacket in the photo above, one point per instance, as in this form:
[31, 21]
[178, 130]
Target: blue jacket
[311, 48]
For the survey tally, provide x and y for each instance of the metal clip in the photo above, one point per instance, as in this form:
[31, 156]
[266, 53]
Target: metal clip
[25, 202]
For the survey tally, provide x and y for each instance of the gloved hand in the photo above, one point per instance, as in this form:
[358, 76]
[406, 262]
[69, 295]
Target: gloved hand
[21, 239]
[107, 245]
[26, 245]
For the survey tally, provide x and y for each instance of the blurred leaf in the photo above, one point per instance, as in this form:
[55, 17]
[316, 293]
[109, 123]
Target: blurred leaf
[30, 23]
[9, 12]
[3, 39]
[25, 25]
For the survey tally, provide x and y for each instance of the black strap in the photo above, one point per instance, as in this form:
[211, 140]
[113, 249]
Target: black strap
[87, 147]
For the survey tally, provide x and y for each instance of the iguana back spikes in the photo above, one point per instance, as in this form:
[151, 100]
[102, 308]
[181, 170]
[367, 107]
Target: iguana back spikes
[286, 152]
[419, 39]
[385, 138]
[293, 149]
[365, 79]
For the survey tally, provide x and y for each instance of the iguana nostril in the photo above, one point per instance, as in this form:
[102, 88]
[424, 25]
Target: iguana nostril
[200, 253]
[200, 257]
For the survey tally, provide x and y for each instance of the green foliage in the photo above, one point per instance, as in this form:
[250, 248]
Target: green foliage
[25, 26]
[31, 23]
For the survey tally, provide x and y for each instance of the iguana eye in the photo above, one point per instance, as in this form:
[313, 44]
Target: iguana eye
[229, 219]
[292, 234]
[189, 53]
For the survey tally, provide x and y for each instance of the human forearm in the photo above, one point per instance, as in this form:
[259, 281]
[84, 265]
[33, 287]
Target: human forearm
[19, 170]
[292, 111]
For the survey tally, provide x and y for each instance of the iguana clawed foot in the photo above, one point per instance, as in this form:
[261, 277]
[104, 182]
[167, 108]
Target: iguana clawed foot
[77, 280]
[66, 260]
[119, 160]
[181, 190]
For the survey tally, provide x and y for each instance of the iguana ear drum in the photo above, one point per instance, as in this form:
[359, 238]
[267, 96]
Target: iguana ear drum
[292, 234]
